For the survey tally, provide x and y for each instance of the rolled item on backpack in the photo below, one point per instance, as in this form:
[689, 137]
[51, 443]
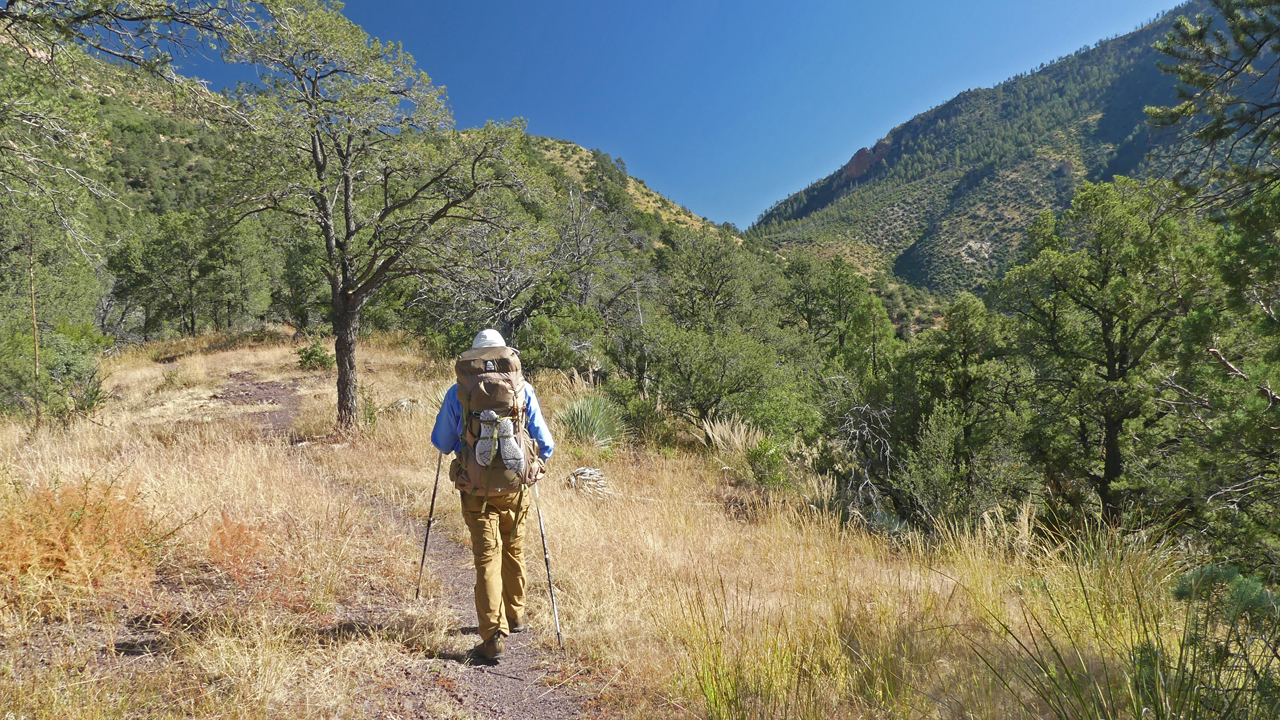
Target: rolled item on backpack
[484, 445]
[512, 454]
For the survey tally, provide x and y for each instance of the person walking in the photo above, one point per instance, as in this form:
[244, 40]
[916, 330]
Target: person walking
[493, 424]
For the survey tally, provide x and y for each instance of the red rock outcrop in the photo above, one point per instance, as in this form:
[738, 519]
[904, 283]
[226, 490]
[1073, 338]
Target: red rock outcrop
[864, 160]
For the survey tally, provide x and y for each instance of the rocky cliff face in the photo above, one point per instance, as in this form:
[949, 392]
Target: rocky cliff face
[863, 161]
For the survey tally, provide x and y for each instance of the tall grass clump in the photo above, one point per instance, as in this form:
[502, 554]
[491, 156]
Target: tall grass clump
[593, 420]
[1216, 655]
[746, 453]
[730, 436]
[748, 662]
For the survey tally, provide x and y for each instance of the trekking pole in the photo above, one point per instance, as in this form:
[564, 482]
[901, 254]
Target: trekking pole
[431, 517]
[546, 555]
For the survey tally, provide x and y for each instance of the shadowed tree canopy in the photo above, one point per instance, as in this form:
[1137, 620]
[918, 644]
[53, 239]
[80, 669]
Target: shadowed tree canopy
[344, 134]
[1225, 132]
[503, 277]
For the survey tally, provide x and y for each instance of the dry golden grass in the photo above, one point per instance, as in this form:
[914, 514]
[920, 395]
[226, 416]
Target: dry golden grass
[268, 577]
[794, 614]
[174, 518]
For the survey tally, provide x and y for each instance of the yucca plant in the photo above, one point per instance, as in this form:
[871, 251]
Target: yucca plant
[594, 420]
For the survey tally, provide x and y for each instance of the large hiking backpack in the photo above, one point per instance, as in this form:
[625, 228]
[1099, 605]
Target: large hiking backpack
[496, 455]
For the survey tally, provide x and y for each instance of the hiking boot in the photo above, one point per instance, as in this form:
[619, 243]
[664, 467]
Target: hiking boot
[515, 626]
[490, 649]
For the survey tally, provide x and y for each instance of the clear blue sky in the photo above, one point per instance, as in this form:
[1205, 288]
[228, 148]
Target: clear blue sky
[726, 107]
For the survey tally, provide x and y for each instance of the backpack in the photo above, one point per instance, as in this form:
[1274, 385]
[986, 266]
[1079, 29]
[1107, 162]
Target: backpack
[496, 454]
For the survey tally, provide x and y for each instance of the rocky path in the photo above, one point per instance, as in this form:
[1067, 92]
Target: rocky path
[279, 400]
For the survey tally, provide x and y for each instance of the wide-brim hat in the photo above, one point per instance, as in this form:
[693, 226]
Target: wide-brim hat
[488, 338]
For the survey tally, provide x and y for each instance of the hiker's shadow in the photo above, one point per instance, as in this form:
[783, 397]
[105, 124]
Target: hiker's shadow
[466, 657]
[406, 633]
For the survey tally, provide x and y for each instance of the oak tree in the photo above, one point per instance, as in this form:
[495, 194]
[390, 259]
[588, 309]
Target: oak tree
[344, 134]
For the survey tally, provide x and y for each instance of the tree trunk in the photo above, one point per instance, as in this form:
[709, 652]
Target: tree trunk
[1112, 469]
[346, 324]
[35, 328]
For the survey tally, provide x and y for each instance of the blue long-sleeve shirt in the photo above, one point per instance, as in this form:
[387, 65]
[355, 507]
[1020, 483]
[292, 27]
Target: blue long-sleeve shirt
[447, 433]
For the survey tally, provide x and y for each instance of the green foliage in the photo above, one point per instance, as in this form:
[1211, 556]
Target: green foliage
[713, 341]
[69, 384]
[369, 410]
[641, 412]
[936, 431]
[315, 357]
[832, 303]
[40, 263]
[1223, 142]
[607, 179]
[560, 343]
[1097, 306]
[593, 420]
[179, 271]
[768, 463]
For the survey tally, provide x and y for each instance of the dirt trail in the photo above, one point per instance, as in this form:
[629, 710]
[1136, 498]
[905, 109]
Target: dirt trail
[243, 388]
[520, 685]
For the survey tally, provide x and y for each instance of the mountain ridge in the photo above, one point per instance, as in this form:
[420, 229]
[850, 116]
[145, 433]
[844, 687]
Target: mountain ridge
[943, 199]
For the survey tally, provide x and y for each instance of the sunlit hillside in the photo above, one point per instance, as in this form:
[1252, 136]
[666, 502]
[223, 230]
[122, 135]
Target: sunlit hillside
[945, 198]
[577, 162]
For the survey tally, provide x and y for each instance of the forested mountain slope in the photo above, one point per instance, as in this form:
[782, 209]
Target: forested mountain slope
[943, 200]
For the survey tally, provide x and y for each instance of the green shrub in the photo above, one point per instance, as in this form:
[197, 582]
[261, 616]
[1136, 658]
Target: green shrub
[641, 413]
[315, 357]
[69, 384]
[594, 420]
[369, 408]
[768, 463]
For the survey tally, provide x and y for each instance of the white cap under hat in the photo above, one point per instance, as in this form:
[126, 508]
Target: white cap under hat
[488, 338]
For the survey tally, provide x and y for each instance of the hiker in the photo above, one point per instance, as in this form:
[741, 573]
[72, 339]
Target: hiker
[491, 421]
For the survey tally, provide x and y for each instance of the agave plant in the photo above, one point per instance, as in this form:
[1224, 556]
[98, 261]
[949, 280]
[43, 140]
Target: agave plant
[593, 419]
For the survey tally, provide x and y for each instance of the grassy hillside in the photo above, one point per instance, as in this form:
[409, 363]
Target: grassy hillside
[206, 548]
[943, 199]
[578, 163]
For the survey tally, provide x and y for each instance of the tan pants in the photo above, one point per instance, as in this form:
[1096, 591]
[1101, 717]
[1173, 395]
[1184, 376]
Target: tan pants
[497, 542]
